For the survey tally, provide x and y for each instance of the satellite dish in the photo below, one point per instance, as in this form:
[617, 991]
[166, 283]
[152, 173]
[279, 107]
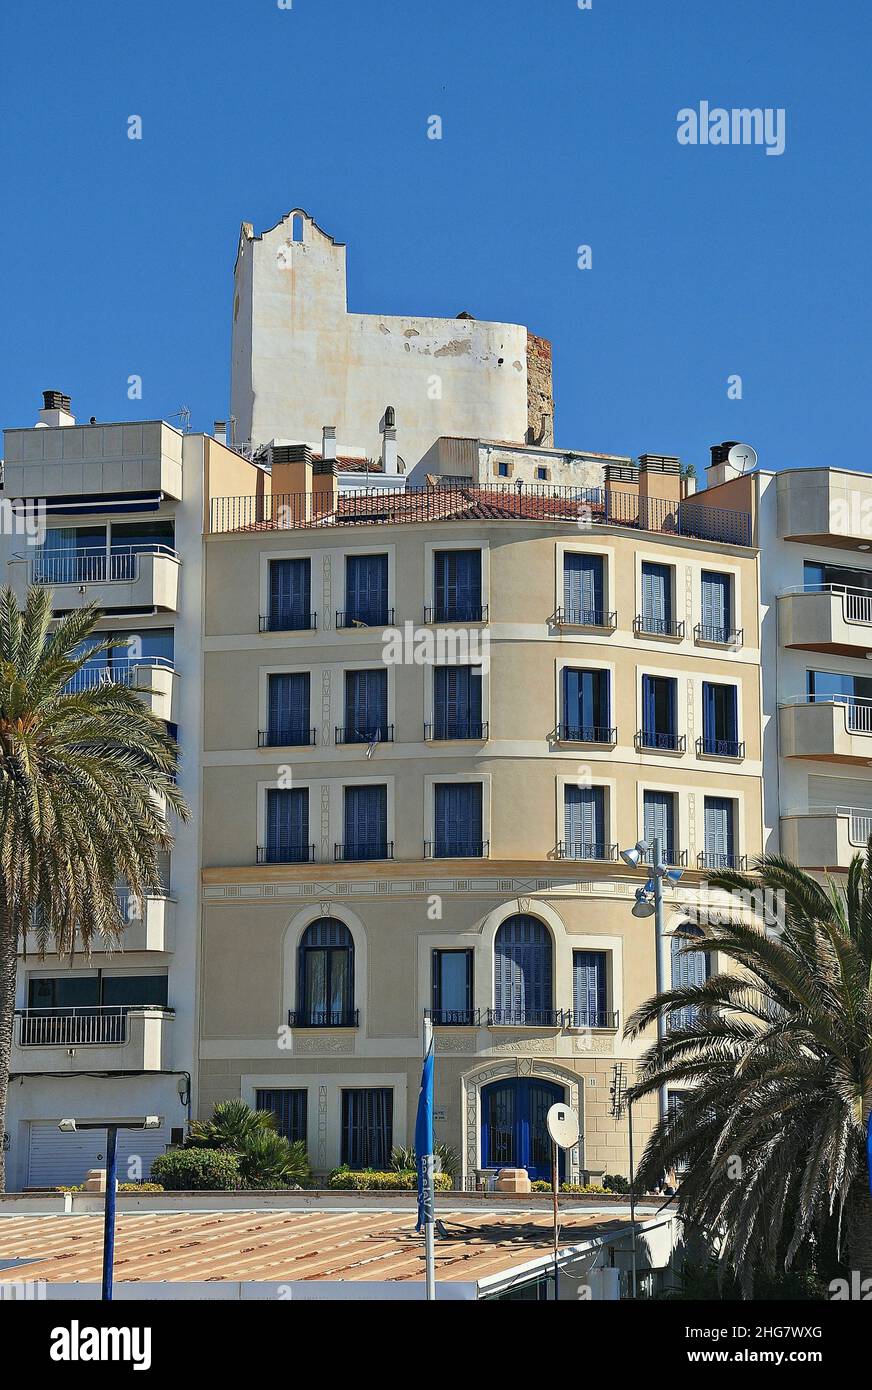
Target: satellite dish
[562, 1123]
[742, 456]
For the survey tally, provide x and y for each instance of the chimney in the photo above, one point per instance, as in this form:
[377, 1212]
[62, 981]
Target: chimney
[720, 470]
[389, 442]
[219, 431]
[55, 409]
[328, 444]
[621, 484]
[291, 482]
[659, 489]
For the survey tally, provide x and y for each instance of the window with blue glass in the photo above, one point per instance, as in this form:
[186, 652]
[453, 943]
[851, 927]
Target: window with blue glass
[583, 590]
[457, 586]
[585, 823]
[366, 590]
[715, 607]
[586, 706]
[287, 825]
[290, 595]
[658, 819]
[288, 708]
[690, 967]
[719, 821]
[656, 616]
[289, 1110]
[590, 990]
[366, 822]
[367, 1127]
[720, 721]
[659, 721]
[452, 987]
[523, 972]
[458, 820]
[366, 706]
[325, 978]
[457, 702]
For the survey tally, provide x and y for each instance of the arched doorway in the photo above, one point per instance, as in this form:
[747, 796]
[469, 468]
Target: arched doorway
[513, 1130]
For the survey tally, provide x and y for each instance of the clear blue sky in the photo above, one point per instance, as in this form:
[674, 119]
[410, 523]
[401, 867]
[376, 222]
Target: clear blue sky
[559, 129]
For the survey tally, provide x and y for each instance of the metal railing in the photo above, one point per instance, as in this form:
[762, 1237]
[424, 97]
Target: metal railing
[357, 850]
[116, 565]
[323, 1018]
[455, 1018]
[444, 729]
[859, 820]
[378, 733]
[345, 618]
[456, 613]
[586, 617]
[83, 1026]
[719, 747]
[526, 1018]
[717, 636]
[856, 603]
[276, 737]
[586, 733]
[457, 849]
[653, 741]
[475, 502]
[674, 858]
[591, 1018]
[286, 854]
[858, 708]
[710, 859]
[644, 625]
[288, 620]
[587, 849]
[123, 671]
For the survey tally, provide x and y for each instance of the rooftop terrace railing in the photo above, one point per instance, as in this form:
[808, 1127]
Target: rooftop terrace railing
[471, 502]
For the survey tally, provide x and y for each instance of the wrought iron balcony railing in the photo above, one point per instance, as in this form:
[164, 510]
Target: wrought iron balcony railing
[587, 733]
[356, 850]
[674, 858]
[376, 733]
[707, 747]
[660, 741]
[373, 617]
[644, 625]
[456, 849]
[713, 635]
[288, 620]
[591, 1018]
[587, 849]
[526, 1018]
[586, 617]
[324, 1018]
[456, 613]
[277, 737]
[455, 1018]
[451, 729]
[709, 859]
[83, 1026]
[286, 854]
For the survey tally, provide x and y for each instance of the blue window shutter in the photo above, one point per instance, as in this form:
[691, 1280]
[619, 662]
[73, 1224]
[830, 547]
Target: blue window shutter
[584, 814]
[288, 1108]
[456, 700]
[659, 819]
[458, 819]
[656, 592]
[366, 588]
[708, 713]
[715, 604]
[367, 1128]
[583, 587]
[719, 829]
[649, 718]
[287, 823]
[290, 592]
[688, 968]
[571, 699]
[523, 968]
[289, 707]
[732, 713]
[589, 1000]
[366, 705]
[366, 820]
[458, 584]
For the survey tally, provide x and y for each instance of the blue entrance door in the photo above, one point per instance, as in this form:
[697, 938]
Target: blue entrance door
[513, 1131]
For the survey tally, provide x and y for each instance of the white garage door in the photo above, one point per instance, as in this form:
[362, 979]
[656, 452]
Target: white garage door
[63, 1160]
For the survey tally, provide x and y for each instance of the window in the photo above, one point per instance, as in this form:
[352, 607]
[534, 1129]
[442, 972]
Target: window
[96, 991]
[523, 972]
[325, 979]
[287, 826]
[290, 596]
[585, 824]
[288, 709]
[289, 1110]
[452, 987]
[586, 714]
[458, 586]
[720, 721]
[542, 474]
[366, 707]
[719, 814]
[367, 1127]
[819, 575]
[458, 820]
[590, 990]
[366, 591]
[688, 968]
[855, 692]
[658, 810]
[366, 824]
[656, 618]
[715, 608]
[502, 470]
[457, 702]
[583, 590]
[138, 536]
[659, 730]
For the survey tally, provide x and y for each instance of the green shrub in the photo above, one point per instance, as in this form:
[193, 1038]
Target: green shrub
[181, 1170]
[266, 1158]
[586, 1187]
[122, 1187]
[405, 1159]
[369, 1180]
[615, 1182]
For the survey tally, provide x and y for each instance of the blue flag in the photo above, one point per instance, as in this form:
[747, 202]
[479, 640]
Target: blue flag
[424, 1138]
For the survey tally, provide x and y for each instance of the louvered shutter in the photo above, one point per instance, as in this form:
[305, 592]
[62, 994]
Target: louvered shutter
[290, 593]
[287, 814]
[584, 809]
[589, 988]
[583, 588]
[366, 589]
[289, 708]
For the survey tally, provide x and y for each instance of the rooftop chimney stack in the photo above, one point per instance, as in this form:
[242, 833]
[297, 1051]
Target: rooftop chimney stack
[720, 470]
[219, 431]
[328, 444]
[390, 458]
[55, 410]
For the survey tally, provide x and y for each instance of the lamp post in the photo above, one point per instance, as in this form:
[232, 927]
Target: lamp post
[111, 1127]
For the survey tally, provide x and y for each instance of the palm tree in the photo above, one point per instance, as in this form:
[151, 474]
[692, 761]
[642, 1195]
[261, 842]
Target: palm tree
[776, 1058]
[86, 780]
[266, 1158]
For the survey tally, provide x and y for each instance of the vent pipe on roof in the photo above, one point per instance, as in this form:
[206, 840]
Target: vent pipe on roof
[328, 443]
[55, 409]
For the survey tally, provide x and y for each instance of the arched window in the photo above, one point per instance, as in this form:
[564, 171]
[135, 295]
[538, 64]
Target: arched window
[523, 972]
[325, 978]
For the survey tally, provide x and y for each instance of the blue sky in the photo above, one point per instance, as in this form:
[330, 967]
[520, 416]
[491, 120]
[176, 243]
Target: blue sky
[559, 129]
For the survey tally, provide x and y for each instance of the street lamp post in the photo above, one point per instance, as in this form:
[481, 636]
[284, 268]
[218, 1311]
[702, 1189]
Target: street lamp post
[649, 902]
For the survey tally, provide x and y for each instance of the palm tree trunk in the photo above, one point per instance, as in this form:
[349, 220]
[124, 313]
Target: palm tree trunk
[860, 1228]
[8, 963]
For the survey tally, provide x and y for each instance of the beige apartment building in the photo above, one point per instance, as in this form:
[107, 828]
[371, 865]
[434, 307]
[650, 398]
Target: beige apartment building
[431, 721]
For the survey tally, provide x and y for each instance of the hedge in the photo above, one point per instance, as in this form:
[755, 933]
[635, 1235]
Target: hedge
[368, 1180]
[182, 1170]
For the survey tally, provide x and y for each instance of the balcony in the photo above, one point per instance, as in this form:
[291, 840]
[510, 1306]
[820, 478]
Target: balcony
[130, 1037]
[454, 1018]
[92, 462]
[353, 621]
[657, 741]
[357, 851]
[826, 618]
[825, 837]
[595, 619]
[527, 1018]
[731, 748]
[324, 1018]
[286, 854]
[673, 858]
[456, 613]
[586, 733]
[154, 676]
[122, 578]
[593, 850]
[827, 506]
[377, 733]
[288, 620]
[712, 635]
[835, 729]
[455, 730]
[149, 925]
[712, 861]
[592, 1019]
[663, 629]
[457, 849]
[286, 738]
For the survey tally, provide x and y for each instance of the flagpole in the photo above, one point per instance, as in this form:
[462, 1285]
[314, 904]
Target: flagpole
[429, 1194]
